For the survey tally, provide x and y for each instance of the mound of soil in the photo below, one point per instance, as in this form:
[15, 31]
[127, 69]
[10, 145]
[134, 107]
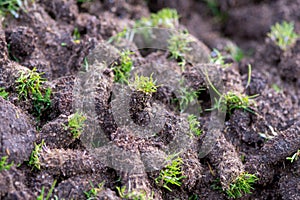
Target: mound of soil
[63, 38]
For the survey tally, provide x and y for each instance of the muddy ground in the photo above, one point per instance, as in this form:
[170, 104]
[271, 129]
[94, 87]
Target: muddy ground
[43, 37]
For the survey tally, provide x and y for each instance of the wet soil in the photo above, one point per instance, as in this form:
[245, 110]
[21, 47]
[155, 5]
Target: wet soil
[43, 37]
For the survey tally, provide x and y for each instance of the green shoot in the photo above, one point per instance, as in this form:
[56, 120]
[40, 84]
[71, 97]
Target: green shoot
[92, 193]
[165, 18]
[123, 67]
[144, 84]
[236, 53]
[172, 174]
[3, 93]
[178, 47]
[34, 159]
[186, 97]
[4, 165]
[283, 35]
[231, 101]
[241, 185]
[11, 6]
[76, 36]
[276, 88]
[249, 75]
[29, 85]
[218, 59]
[75, 124]
[135, 195]
[41, 196]
[193, 125]
[294, 157]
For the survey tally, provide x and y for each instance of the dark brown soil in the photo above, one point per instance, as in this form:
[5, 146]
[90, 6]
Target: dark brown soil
[43, 38]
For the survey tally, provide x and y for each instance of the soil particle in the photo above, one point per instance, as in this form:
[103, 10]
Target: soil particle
[12, 186]
[251, 21]
[290, 187]
[16, 132]
[191, 169]
[74, 187]
[65, 11]
[226, 160]
[56, 134]
[21, 42]
[67, 163]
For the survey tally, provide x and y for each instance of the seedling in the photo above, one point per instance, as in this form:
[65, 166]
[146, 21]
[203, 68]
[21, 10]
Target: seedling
[123, 67]
[34, 159]
[75, 124]
[186, 97]
[276, 88]
[4, 165]
[11, 6]
[171, 175]
[283, 35]
[144, 84]
[241, 185]
[230, 101]
[3, 93]
[29, 85]
[294, 157]
[236, 53]
[214, 6]
[135, 195]
[92, 193]
[76, 36]
[178, 47]
[193, 125]
[41, 196]
[165, 18]
[218, 59]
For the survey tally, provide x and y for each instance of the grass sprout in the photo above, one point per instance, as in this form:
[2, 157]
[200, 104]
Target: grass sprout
[178, 47]
[193, 125]
[75, 124]
[283, 35]
[123, 67]
[144, 84]
[241, 185]
[294, 157]
[171, 174]
[3, 93]
[4, 165]
[30, 85]
[34, 159]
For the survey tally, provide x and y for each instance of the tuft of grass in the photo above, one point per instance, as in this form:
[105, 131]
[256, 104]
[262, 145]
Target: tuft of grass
[241, 185]
[11, 6]
[193, 125]
[218, 59]
[4, 165]
[171, 174]
[283, 35]
[294, 157]
[236, 53]
[41, 196]
[178, 47]
[30, 85]
[144, 84]
[3, 93]
[75, 124]
[165, 18]
[135, 195]
[123, 67]
[34, 159]
[187, 96]
[92, 193]
[231, 101]
[76, 36]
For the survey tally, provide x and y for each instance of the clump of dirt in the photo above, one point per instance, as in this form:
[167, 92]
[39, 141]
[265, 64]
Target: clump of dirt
[66, 41]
